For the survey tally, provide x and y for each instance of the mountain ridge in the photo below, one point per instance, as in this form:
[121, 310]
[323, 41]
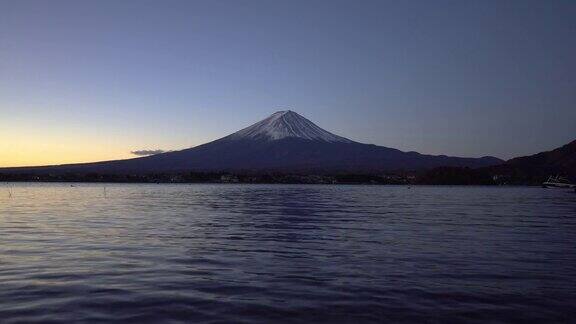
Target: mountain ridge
[561, 160]
[284, 142]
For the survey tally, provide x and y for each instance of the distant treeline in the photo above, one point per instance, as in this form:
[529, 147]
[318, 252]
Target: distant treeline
[438, 176]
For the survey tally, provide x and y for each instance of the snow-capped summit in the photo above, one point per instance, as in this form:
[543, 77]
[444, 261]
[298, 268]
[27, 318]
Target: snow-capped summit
[284, 124]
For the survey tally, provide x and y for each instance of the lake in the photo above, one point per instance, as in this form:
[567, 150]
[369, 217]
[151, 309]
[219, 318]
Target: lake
[286, 253]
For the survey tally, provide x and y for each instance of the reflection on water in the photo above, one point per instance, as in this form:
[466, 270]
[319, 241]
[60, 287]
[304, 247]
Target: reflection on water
[286, 253]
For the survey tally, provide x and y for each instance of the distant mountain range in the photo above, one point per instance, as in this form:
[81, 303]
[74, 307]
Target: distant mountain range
[283, 142]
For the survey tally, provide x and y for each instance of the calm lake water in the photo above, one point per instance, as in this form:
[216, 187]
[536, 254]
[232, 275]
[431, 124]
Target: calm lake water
[286, 254]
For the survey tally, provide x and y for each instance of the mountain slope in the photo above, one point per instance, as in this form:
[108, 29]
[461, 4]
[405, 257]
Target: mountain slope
[561, 161]
[285, 141]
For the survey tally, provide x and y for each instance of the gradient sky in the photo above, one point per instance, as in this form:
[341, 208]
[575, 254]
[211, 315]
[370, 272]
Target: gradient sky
[93, 80]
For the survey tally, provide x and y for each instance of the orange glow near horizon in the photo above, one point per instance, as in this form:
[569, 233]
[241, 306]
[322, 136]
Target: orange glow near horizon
[48, 140]
[48, 152]
[39, 146]
[52, 141]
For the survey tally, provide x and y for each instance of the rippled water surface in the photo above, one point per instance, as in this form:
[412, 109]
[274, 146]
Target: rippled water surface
[286, 253]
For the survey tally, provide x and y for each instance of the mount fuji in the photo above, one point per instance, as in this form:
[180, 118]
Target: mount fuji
[283, 142]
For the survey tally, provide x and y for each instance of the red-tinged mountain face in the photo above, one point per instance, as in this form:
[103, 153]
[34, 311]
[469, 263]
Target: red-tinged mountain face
[285, 142]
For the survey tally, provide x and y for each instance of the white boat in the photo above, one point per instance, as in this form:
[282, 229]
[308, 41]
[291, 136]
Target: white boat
[558, 182]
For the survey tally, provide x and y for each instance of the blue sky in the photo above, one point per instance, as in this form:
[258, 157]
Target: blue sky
[94, 80]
